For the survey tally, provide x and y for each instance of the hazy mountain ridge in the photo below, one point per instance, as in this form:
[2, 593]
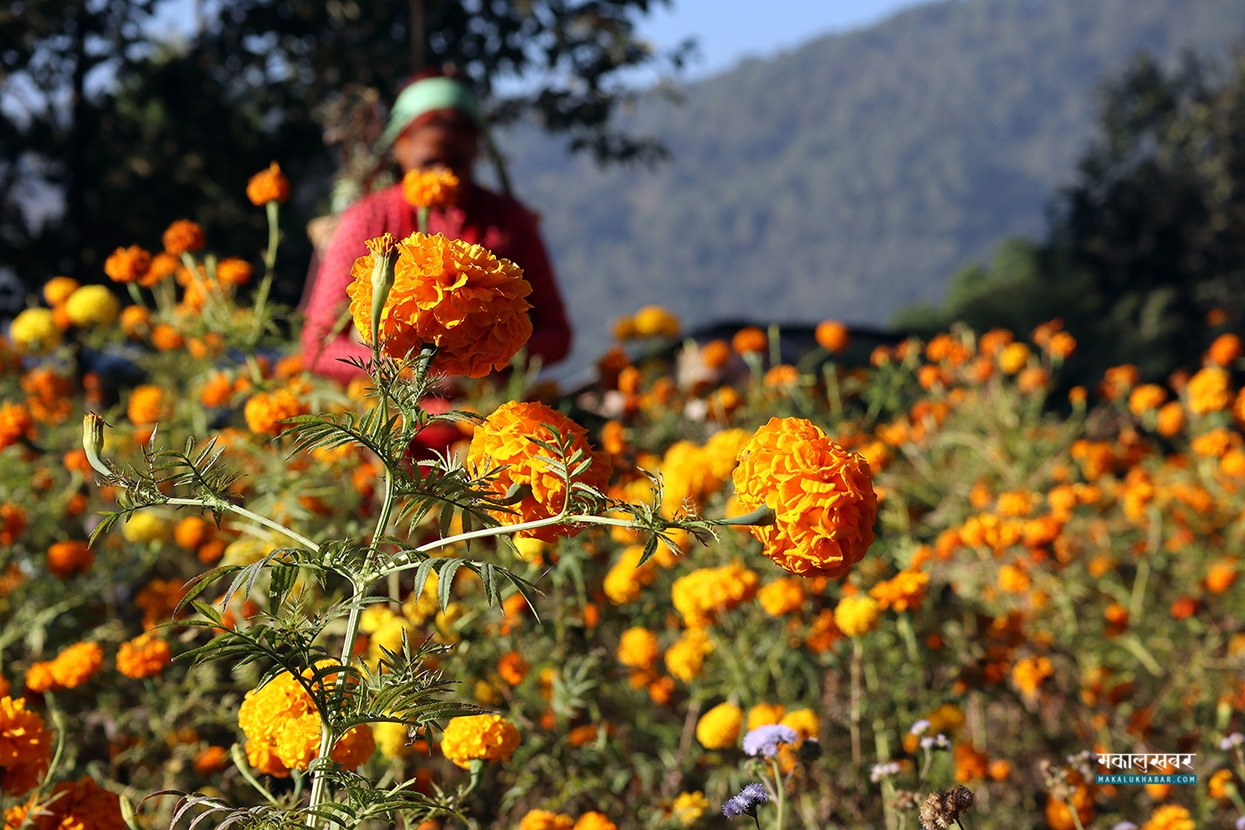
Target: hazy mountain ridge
[851, 176]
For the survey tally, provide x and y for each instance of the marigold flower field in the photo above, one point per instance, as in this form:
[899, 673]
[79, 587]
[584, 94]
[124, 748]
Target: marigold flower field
[918, 585]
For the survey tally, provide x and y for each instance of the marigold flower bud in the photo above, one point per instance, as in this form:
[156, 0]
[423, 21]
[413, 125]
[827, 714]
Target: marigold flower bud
[269, 185]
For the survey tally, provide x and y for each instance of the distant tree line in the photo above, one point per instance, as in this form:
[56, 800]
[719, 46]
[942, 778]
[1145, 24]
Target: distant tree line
[1144, 259]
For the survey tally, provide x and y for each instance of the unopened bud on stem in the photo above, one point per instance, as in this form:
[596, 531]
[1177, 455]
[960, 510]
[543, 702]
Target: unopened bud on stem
[93, 442]
[760, 517]
[384, 250]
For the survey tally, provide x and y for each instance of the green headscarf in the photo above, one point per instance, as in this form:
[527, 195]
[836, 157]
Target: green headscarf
[428, 95]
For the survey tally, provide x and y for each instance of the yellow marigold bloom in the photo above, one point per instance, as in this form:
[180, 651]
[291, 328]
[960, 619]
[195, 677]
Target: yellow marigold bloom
[702, 594]
[58, 289]
[1169, 817]
[653, 320]
[1013, 358]
[506, 444]
[265, 411]
[389, 638]
[638, 648]
[1029, 672]
[144, 656]
[487, 737]
[765, 714]
[25, 746]
[1013, 580]
[804, 722]
[450, 294]
[269, 185]
[625, 581]
[68, 558]
[720, 453]
[436, 189]
[719, 727]
[686, 656]
[903, 593]
[1209, 391]
[35, 330]
[1146, 397]
[821, 494]
[146, 405]
[182, 236]
[1215, 443]
[546, 820]
[595, 821]
[781, 597]
[76, 665]
[127, 264]
[92, 305]
[689, 807]
[856, 615]
[832, 336]
[145, 527]
[392, 739]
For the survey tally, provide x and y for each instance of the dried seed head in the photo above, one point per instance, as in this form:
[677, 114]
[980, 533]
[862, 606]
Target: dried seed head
[938, 812]
[963, 799]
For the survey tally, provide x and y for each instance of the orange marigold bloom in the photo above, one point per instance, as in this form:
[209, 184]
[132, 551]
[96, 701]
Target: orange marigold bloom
[25, 747]
[435, 189]
[163, 266]
[749, 340]
[135, 321]
[782, 597]
[822, 497]
[12, 523]
[146, 405]
[166, 338]
[512, 668]
[1171, 419]
[211, 760]
[715, 354]
[57, 290]
[546, 820]
[1061, 345]
[1225, 350]
[832, 336]
[823, 632]
[506, 443]
[15, 423]
[1169, 817]
[1029, 672]
[764, 714]
[487, 737]
[1209, 391]
[144, 656]
[780, 376]
[686, 656]
[128, 264]
[1146, 397]
[1221, 575]
[77, 664]
[66, 559]
[903, 593]
[654, 320]
[704, 593]
[269, 185]
[233, 271]
[80, 805]
[182, 236]
[970, 765]
[1013, 357]
[595, 821]
[265, 410]
[638, 648]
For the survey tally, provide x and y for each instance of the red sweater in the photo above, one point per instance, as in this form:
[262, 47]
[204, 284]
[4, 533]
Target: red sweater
[499, 223]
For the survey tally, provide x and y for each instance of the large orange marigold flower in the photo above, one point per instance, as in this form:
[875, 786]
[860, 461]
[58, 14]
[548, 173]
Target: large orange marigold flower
[269, 185]
[821, 494]
[486, 737]
[506, 442]
[25, 746]
[430, 188]
[449, 294]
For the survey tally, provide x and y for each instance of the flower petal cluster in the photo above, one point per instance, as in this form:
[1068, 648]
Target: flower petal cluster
[638, 648]
[702, 594]
[282, 728]
[506, 443]
[92, 305]
[269, 185]
[68, 558]
[686, 656]
[437, 189]
[183, 236]
[765, 740]
[74, 666]
[821, 494]
[719, 727]
[144, 656]
[856, 615]
[25, 747]
[746, 802]
[127, 264]
[449, 294]
[486, 737]
[265, 411]
[72, 805]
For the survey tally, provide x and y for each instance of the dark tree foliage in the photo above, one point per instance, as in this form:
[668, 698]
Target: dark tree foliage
[132, 135]
[1148, 240]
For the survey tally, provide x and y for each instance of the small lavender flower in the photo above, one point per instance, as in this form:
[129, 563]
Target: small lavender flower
[1240, 823]
[881, 771]
[1124, 825]
[764, 740]
[746, 803]
[919, 728]
[1232, 741]
[939, 741]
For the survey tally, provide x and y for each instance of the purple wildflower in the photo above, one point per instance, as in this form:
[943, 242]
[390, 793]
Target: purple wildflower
[764, 740]
[746, 803]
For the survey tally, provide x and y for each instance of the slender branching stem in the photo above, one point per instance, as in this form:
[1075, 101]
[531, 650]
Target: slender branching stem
[255, 517]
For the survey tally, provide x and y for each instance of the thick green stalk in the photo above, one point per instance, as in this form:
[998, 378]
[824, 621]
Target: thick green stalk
[780, 791]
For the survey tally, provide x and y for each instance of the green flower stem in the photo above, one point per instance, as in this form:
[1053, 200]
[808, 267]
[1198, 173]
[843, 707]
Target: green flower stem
[244, 769]
[270, 264]
[858, 654]
[422, 216]
[255, 517]
[135, 294]
[780, 791]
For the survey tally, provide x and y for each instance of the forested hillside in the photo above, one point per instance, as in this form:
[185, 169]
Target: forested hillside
[853, 176]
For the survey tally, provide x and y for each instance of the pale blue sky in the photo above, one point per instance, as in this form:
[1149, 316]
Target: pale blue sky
[729, 30]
